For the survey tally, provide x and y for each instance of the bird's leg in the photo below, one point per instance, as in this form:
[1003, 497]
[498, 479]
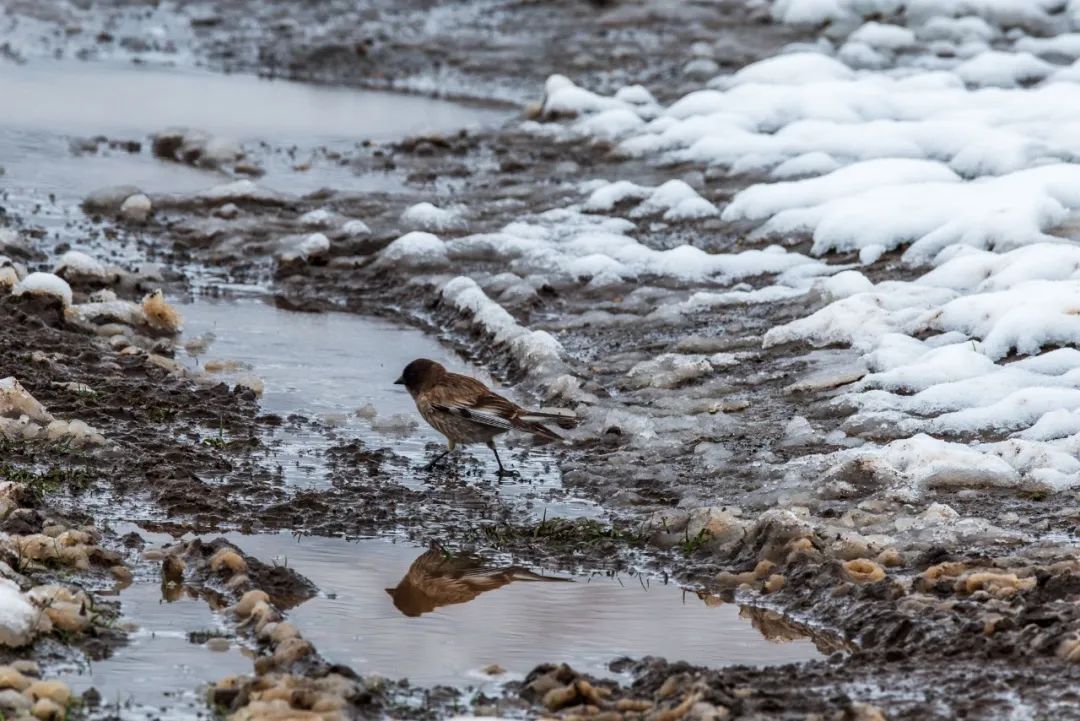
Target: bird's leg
[435, 462]
[450, 446]
[502, 472]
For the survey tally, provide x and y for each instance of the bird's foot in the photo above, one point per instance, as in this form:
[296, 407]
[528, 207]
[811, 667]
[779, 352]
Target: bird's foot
[503, 473]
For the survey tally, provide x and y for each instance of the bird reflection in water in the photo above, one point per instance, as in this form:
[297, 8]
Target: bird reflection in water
[441, 578]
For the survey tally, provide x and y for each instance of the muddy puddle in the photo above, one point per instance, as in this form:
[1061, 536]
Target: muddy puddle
[338, 369]
[174, 647]
[418, 632]
[388, 609]
[47, 104]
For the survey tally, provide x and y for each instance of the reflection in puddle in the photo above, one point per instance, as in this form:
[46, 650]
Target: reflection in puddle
[779, 628]
[587, 623]
[441, 578]
[352, 390]
[438, 625]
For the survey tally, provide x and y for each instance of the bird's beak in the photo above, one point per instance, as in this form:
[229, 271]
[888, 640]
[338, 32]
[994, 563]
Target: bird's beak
[399, 382]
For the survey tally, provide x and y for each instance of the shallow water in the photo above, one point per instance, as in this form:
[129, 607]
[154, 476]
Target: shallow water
[160, 670]
[329, 366]
[587, 623]
[46, 103]
[88, 98]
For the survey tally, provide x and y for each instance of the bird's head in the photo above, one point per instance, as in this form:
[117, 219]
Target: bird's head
[420, 374]
[410, 600]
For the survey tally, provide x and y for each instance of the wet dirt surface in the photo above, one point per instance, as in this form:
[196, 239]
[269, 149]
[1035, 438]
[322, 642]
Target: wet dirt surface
[975, 623]
[495, 48]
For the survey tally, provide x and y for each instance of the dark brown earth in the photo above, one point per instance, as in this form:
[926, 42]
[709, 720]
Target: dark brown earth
[943, 633]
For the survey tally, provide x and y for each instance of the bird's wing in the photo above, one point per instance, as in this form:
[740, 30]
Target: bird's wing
[470, 399]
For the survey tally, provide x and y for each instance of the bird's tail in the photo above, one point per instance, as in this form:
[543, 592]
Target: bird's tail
[524, 574]
[537, 429]
[520, 573]
[566, 420]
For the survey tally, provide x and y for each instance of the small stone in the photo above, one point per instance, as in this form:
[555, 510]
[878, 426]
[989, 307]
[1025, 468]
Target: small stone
[248, 601]
[108, 200]
[122, 574]
[862, 570]
[227, 211]
[290, 651]
[226, 559]
[11, 678]
[775, 583]
[27, 668]
[559, 698]
[55, 691]
[218, 645]
[48, 710]
[11, 701]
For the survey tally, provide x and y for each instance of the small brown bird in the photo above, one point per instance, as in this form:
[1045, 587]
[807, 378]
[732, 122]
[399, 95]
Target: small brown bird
[466, 411]
[440, 578]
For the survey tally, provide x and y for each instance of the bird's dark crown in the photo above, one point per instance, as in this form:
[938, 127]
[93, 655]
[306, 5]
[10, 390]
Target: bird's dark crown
[419, 373]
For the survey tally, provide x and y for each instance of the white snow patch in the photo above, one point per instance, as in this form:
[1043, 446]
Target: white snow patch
[425, 216]
[44, 284]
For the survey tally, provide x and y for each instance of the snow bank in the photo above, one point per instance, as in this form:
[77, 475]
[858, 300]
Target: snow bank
[536, 351]
[944, 129]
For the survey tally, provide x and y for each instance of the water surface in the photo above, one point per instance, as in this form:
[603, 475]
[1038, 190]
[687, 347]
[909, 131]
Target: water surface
[585, 621]
[45, 104]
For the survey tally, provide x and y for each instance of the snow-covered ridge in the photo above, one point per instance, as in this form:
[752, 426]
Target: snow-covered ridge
[946, 129]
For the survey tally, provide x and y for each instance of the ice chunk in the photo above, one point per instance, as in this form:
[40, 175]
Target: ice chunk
[609, 195]
[16, 401]
[761, 201]
[668, 370]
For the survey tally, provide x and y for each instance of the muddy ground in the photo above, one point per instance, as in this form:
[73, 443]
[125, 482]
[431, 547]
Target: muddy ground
[932, 631]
